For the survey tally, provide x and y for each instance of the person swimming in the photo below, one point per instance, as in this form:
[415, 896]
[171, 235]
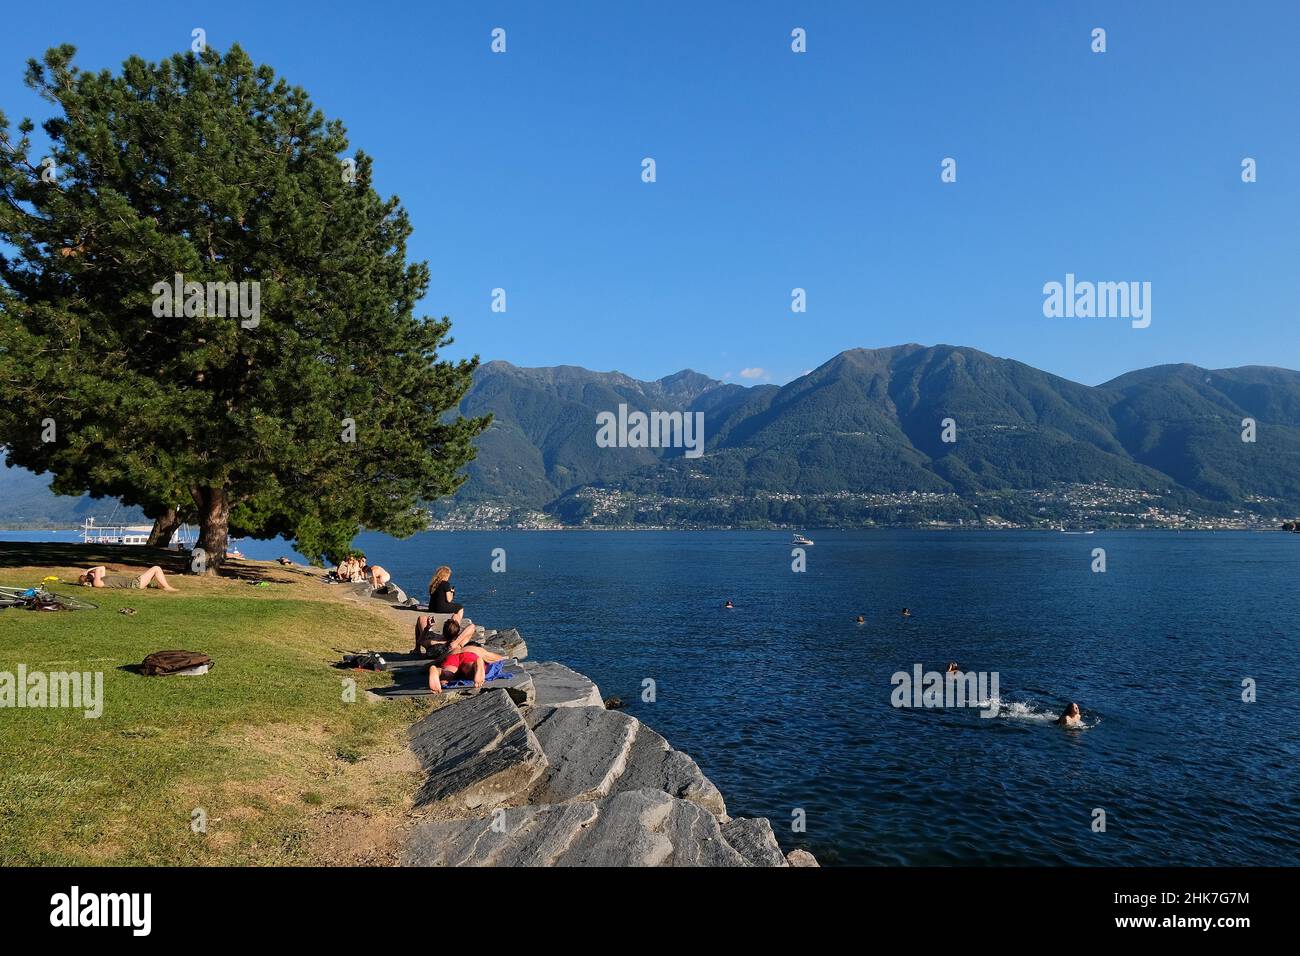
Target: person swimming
[952, 668]
[907, 612]
[861, 619]
[1071, 717]
[728, 606]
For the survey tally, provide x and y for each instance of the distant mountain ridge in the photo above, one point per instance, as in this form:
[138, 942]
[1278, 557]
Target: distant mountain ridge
[869, 423]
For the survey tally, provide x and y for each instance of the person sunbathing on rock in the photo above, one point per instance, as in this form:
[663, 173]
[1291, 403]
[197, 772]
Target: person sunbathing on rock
[454, 633]
[469, 663]
[98, 577]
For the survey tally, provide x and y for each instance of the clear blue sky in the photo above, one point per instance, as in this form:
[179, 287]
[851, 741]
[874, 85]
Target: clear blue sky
[778, 170]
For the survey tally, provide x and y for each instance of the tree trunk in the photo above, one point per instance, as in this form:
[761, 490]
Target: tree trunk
[164, 526]
[214, 527]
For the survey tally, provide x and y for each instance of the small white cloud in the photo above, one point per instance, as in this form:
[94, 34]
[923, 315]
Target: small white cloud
[753, 372]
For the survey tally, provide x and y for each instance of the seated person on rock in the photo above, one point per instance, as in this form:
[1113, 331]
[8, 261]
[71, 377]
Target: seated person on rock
[454, 634]
[349, 570]
[441, 592]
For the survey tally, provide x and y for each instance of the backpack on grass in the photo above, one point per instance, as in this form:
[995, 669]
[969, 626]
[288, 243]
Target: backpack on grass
[366, 660]
[163, 663]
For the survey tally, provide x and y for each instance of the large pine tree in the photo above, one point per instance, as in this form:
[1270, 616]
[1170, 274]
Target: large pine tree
[324, 411]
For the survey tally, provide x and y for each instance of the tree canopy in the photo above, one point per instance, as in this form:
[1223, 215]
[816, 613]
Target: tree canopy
[212, 307]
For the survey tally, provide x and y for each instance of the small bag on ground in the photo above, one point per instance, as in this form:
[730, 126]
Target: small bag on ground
[164, 663]
[366, 660]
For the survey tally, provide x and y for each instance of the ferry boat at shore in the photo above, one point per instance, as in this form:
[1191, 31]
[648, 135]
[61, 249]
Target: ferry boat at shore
[131, 534]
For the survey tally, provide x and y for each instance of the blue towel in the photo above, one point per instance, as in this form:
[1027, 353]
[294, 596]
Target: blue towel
[494, 671]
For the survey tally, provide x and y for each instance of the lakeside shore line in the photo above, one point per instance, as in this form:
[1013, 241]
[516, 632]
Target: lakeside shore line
[536, 770]
[283, 769]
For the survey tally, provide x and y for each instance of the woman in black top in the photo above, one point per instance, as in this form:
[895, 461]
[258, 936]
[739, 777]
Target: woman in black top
[441, 592]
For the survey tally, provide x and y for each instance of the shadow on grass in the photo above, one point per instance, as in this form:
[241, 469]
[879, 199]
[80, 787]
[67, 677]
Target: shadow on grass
[63, 554]
[22, 554]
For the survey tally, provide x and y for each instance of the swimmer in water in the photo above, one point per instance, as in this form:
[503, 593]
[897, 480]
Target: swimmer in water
[907, 612]
[729, 606]
[1071, 717]
[861, 619]
[952, 668]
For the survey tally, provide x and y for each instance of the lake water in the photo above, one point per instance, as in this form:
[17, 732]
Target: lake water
[785, 701]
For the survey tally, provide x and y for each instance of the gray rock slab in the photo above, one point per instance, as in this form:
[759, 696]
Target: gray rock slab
[416, 684]
[650, 828]
[753, 839]
[592, 752]
[586, 751]
[515, 836]
[397, 661]
[478, 753]
[637, 828]
[801, 858]
[560, 686]
[655, 765]
[509, 643]
[390, 594]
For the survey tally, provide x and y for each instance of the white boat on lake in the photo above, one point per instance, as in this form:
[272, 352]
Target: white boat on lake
[131, 534]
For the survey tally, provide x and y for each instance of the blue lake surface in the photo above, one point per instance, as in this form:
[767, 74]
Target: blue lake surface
[785, 701]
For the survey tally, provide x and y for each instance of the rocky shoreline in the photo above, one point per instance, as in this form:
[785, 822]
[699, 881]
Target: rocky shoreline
[543, 774]
[537, 771]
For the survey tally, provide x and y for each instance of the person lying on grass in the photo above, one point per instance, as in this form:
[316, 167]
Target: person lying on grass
[98, 577]
[467, 664]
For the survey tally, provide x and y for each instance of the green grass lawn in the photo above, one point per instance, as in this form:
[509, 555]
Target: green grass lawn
[264, 744]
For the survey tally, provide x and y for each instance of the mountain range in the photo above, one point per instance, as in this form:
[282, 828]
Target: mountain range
[861, 440]
[866, 427]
